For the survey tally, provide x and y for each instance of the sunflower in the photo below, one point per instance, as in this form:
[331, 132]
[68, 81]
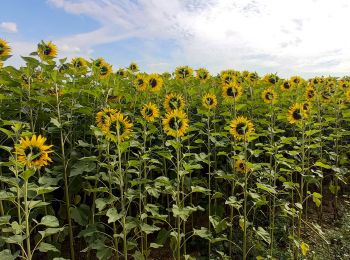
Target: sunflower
[141, 82]
[79, 62]
[286, 85]
[32, 152]
[252, 77]
[271, 78]
[348, 95]
[104, 70]
[296, 80]
[98, 62]
[47, 51]
[174, 101]
[310, 93]
[227, 78]
[150, 112]
[232, 92]
[241, 128]
[241, 166]
[175, 123]
[326, 95]
[121, 73]
[183, 72]
[155, 82]
[104, 116]
[117, 125]
[307, 106]
[133, 67]
[202, 74]
[343, 84]
[209, 101]
[5, 49]
[296, 113]
[116, 99]
[269, 96]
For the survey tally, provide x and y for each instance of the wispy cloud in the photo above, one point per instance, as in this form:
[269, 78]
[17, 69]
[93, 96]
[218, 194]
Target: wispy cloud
[9, 27]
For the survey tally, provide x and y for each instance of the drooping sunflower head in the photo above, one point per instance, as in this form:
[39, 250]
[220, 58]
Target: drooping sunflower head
[183, 72]
[271, 78]
[174, 101]
[104, 70]
[121, 73]
[209, 101]
[269, 96]
[33, 152]
[5, 49]
[118, 128]
[79, 63]
[252, 77]
[103, 117]
[310, 93]
[202, 74]
[150, 112]
[241, 128]
[155, 82]
[47, 51]
[141, 82]
[232, 92]
[175, 123]
[241, 166]
[133, 67]
[98, 62]
[296, 113]
[286, 85]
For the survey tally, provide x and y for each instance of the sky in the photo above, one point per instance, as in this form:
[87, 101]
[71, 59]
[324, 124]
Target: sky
[287, 37]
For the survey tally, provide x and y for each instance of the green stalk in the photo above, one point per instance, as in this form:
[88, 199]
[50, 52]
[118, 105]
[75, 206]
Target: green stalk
[178, 201]
[245, 205]
[26, 208]
[209, 186]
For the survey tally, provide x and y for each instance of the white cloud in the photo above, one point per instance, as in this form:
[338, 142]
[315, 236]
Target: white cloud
[9, 27]
[289, 37]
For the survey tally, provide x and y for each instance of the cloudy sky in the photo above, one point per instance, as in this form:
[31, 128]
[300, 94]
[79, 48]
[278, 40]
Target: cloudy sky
[306, 37]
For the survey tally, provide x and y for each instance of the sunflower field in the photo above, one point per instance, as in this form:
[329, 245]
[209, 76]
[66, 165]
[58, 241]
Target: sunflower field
[103, 163]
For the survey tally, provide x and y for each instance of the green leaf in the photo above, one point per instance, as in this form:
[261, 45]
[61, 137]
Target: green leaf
[322, 165]
[316, 197]
[6, 255]
[263, 234]
[80, 214]
[148, 229]
[203, 233]
[265, 187]
[49, 221]
[45, 247]
[27, 174]
[50, 231]
[113, 215]
[200, 189]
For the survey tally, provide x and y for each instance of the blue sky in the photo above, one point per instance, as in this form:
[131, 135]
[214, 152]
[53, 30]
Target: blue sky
[306, 37]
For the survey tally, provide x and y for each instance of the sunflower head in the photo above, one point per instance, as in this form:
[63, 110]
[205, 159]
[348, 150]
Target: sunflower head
[348, 95]
[103, 117]
[228, 77]
[202, 74]
[241, 128]
[307, 106]
[344, 84]
[79, 63]
[269, 96]
[297, 113]
[209, 101]
[252, 77]
[141, 82]
[118, 128]
[33, 152]
[241, 166]
[121, 73]
[183, 72]
[98, 62]
[174, 101]
[175, 123]
[5, 49]
[286, 85]
[310, 93]
[47, 51]
[232, 92]
[326, 94]
[155, 82]
[133, 67]
[150, 112]
[296, 80]
[104, 70]
[271, 78]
